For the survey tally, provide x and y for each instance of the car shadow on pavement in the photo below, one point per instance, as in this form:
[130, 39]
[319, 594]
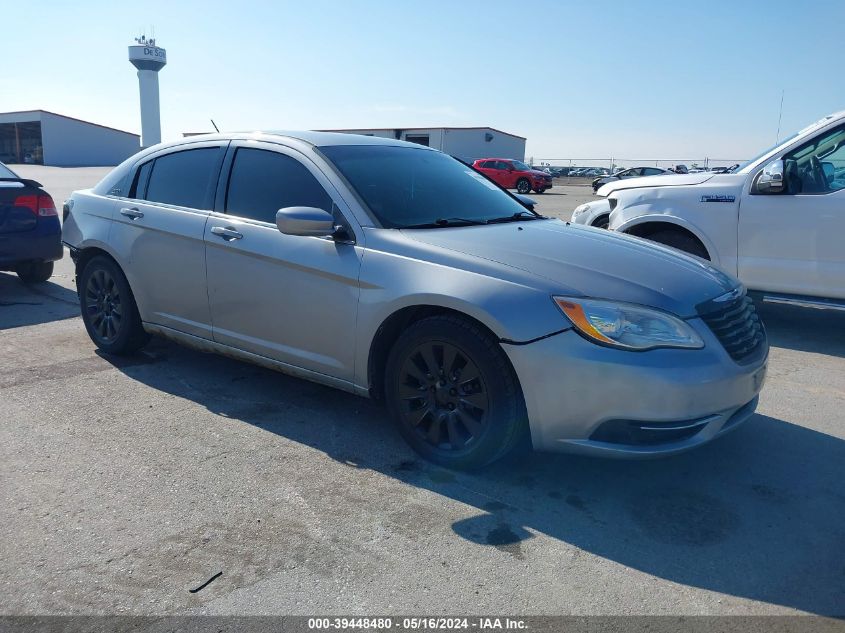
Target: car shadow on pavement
[758, 514]
[804, 329]
[22, 304]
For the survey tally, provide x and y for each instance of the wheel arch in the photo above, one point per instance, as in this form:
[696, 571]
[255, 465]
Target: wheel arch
[89, 251]
[644, 226]
[392, 327]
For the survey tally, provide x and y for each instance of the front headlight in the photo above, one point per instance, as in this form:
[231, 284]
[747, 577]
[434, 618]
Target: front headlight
[627, 326]
[580, 209]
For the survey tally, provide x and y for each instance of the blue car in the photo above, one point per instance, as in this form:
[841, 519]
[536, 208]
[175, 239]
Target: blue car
[30, 232]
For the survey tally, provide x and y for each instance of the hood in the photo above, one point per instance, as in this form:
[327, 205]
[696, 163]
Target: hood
[537, 172]
[665, 180]
[583, 261]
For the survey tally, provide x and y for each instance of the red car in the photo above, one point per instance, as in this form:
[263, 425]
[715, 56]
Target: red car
[514, 174]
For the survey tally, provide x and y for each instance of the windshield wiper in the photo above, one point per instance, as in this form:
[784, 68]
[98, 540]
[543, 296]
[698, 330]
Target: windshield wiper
[516, 217]
[446, 222]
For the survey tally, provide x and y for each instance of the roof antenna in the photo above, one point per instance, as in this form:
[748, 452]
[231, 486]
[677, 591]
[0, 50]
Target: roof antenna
[215, 125]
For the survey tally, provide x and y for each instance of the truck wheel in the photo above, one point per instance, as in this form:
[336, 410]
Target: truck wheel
[35, 272]
[453, 394]
[682, 241]
[523, 186]
[108, 308]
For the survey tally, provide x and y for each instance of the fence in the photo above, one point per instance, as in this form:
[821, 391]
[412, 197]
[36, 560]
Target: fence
[623, 163]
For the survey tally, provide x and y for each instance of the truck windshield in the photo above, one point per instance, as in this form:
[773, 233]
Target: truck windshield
[407, 187]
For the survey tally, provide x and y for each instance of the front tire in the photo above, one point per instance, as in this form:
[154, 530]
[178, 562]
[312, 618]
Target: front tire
[108, 308]
[453, 394]
[523, 186]
[602, 222]
[35, 272]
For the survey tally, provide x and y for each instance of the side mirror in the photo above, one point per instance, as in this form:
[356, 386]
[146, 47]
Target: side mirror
[771, 178]
[307, 221]
[525, 201]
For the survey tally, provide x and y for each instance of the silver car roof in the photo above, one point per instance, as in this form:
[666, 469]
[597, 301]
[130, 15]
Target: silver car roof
[317, 139]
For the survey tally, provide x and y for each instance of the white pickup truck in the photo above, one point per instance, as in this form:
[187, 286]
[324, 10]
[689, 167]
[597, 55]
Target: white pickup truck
[777, 222]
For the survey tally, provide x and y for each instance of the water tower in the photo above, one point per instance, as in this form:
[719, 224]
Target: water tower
[148, 59]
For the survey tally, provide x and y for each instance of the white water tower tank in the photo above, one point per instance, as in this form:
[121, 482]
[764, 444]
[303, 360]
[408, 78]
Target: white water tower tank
[148, 59]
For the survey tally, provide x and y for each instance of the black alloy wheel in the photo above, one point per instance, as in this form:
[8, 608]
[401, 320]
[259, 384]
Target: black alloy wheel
[445, 398]
[108, 307]
[523, 186]
[453, 393]
[103, 305]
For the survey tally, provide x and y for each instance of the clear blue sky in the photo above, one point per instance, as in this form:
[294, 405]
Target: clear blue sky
[578, 79]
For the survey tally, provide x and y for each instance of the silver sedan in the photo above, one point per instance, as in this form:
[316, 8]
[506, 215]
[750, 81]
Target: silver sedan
[395, 272]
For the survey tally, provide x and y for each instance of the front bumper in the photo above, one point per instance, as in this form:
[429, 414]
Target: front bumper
[584, 398]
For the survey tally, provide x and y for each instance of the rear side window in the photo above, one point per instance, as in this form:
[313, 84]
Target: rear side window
[262, 182]
[183, 178]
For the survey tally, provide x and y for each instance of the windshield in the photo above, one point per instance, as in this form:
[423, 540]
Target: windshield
[5, 172]
[406, 187]
[522, 166]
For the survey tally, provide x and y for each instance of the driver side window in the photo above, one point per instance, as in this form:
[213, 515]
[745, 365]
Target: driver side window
[817, 167]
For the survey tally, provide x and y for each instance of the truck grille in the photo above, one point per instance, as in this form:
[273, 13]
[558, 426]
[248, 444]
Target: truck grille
[737, 326]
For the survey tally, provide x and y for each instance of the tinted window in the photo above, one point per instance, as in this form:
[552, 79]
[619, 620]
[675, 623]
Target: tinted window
[403, 186]
[184, 178]
[652, 171]
[262, 182]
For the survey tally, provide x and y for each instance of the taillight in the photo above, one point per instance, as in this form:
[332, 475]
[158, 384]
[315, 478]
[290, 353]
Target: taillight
[42, 205]
[46, 206]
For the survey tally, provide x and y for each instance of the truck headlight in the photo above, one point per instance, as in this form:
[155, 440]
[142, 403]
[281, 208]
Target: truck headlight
[580, 209]
[627, 326]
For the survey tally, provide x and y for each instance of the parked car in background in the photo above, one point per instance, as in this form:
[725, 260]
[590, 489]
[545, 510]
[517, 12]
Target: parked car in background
[594, 213]
[777, 221]
[679, 169]
[632, 172]
[391, 270]
[514, 174]
[30, 231]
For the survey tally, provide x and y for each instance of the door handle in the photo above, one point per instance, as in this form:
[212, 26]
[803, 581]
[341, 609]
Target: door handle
[132, 214]
[226, 233]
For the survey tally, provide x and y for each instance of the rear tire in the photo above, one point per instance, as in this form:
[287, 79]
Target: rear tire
[453, 394]
[681, 241]
[523, 186]
[35, 272]
[108, 308]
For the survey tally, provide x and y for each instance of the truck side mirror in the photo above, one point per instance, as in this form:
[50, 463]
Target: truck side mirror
[771, 179]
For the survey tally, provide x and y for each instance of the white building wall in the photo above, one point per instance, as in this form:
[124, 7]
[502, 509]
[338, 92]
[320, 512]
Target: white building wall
[470, 145]
[72, 143]
[466, 144]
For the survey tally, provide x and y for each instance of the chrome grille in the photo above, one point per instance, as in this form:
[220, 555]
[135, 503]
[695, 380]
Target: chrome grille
[737, 326]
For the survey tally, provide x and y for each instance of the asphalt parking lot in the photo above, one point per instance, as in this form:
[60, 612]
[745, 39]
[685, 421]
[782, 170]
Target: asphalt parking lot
[128, 482]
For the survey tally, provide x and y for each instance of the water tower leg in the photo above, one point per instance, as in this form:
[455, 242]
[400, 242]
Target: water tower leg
[150, 115]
